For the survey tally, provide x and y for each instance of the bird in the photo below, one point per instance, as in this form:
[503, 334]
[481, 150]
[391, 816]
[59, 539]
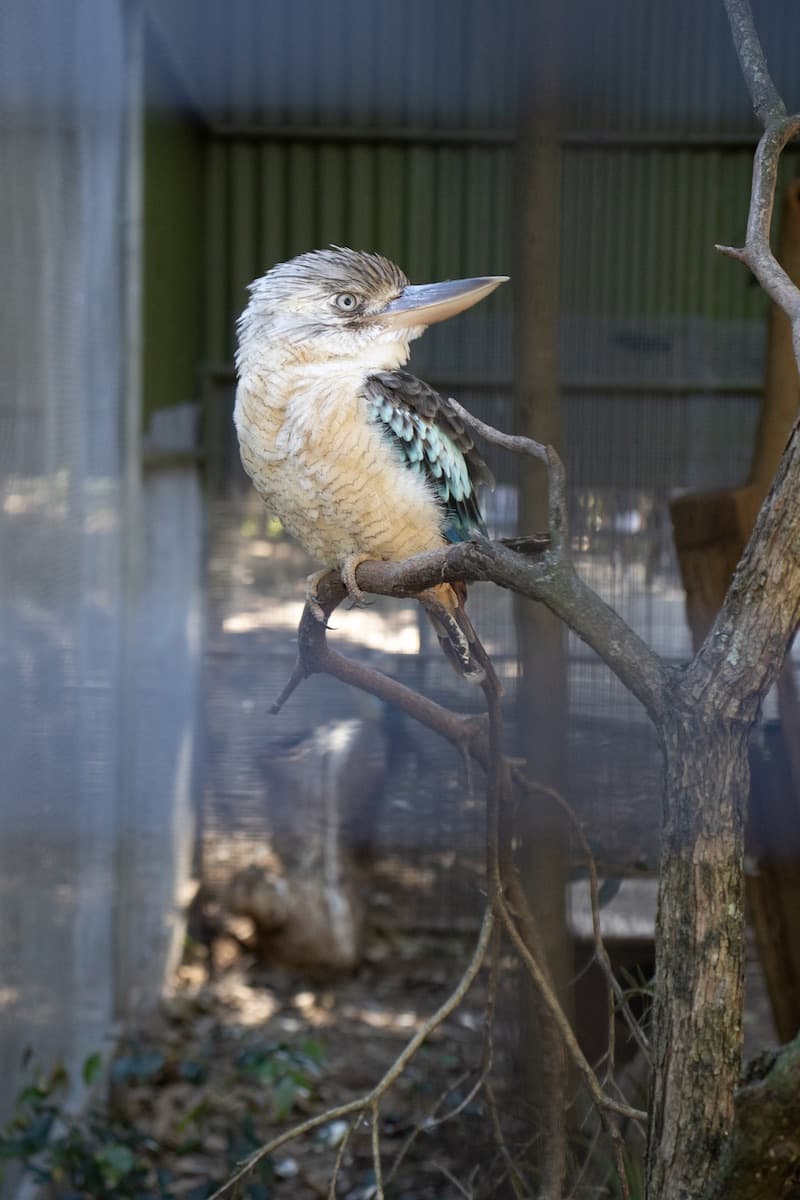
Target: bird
[358, 458]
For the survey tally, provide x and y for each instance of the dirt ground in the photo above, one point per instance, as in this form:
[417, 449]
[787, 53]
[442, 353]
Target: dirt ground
[237, 1055]
[233, 1060]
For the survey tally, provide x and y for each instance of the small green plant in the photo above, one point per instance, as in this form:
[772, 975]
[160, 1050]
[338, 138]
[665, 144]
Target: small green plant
[99, 1157]
[289, 1074]
[105, 1155]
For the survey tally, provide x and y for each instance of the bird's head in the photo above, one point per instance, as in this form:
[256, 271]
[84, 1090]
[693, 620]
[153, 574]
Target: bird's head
[348, 305]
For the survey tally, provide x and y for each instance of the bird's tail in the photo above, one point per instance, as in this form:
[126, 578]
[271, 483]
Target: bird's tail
[444, 605]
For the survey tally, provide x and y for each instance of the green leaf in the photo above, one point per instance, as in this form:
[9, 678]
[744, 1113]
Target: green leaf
[91, 1068]
[30, 1096]
[115, 1161]
[283, 1098]
[137, 1067]
[313, 1050]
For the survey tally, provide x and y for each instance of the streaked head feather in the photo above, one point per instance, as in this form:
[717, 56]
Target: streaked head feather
[292, 310]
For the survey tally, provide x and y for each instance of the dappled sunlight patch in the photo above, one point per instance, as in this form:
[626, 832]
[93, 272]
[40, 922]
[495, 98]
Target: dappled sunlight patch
[388, 1020]
[395, 631]
[253, 1006]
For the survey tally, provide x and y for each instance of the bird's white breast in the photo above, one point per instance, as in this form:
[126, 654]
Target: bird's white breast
[326, 470]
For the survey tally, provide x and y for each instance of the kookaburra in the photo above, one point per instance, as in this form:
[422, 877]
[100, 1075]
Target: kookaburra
[359, 459]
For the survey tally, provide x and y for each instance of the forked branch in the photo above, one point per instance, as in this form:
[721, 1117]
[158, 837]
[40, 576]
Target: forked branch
[370, 1101]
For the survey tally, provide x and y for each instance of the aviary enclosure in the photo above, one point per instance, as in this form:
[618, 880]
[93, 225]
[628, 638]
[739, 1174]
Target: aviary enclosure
[162, 828]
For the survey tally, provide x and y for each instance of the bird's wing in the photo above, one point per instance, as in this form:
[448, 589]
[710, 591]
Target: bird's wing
[432, 440]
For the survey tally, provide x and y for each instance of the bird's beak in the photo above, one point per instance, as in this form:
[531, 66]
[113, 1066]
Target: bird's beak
[427, 303]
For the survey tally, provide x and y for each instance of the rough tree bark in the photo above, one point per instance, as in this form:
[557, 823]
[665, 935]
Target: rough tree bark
[711, 530]
[761, 1160]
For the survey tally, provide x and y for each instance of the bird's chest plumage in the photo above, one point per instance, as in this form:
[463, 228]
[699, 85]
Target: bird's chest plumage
[326, 468]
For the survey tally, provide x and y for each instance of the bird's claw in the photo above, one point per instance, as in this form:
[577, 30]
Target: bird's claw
[349, 567]
[312, 599]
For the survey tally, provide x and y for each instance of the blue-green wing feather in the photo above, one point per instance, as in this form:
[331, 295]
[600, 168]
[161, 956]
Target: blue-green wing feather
[432, 440]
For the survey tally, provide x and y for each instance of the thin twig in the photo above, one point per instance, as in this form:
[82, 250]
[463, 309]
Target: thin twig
[500, 878]
[604, 1103]
[587, 1158]
[612, 1039]
[452, 1179]
[337, 1166]
[757, 252]
[293, 682]
[507, 441]
[316, 655]
[601, 952]
[515, 1178]
[557, 490]
[428, 1123]
[376, 1151]
[371, 1098]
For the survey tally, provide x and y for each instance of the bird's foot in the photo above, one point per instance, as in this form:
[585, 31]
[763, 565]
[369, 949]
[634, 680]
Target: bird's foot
[348, 572]
[312, 599]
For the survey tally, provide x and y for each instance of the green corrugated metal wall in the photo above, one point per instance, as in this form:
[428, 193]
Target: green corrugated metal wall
[389, 127]
[639, 227]
[637, 233]
[440, 211]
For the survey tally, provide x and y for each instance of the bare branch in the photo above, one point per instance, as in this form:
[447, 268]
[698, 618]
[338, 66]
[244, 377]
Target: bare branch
[601, 954]
[548, 578]
[501, 877]
[778, 130]
[432, 1121]
[452, 1179]
[767, 103]
[744, 651]
[337, 1166]
[507, 441]
[371, 1099]
[603, 1102]
[512, 1171]
[756, 252]
[557, 493]
[316, 655]
[376, 1150]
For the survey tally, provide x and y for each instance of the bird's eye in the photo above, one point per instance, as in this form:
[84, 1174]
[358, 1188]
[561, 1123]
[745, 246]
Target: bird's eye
[346, 302]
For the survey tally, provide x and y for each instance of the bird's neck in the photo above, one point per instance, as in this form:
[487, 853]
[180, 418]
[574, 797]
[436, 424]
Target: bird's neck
[294, 362]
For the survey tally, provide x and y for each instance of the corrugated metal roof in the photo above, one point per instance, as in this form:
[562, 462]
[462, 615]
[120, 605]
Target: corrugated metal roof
[623, 65]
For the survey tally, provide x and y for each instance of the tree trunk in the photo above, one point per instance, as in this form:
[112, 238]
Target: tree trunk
[711, 530]
[699, 959]
[762, 1158]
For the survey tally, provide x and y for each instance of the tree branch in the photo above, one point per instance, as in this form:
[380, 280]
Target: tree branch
[549, 578]
[756, 252]
[767, 103]
[370, 1100]
[744, 651]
